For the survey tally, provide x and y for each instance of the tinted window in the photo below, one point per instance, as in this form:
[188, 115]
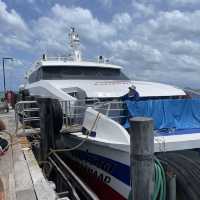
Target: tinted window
[75, 72]
[35, 76]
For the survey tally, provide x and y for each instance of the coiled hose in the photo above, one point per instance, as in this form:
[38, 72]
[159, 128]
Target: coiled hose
[159, 182]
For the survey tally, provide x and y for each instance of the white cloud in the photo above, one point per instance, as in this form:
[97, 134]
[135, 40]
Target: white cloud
[186, 47]
[142, 10]
[135, 53]
[183, 2]
[10, 19]
[14, 31]
[51, 31]
[122, 20]
[106, 3]
[83, 19]
[177, 23]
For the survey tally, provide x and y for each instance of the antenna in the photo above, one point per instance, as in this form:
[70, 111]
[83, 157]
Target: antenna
[74, 43]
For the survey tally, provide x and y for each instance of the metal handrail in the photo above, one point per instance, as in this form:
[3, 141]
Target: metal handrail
[73, 111]
[71, 58]
[71, 179]
[24, 110]
[115, 110]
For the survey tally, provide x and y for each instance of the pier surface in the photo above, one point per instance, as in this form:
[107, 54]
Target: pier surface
[20, 176]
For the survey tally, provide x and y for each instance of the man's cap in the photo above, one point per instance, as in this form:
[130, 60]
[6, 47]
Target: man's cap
[132, 87]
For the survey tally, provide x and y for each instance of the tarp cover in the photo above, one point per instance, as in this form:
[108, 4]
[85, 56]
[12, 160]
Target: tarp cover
[167, 114]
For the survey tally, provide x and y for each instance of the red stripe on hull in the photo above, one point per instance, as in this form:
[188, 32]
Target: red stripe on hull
[103, 191]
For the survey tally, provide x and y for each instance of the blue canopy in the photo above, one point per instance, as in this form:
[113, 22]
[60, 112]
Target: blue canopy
[167, 114]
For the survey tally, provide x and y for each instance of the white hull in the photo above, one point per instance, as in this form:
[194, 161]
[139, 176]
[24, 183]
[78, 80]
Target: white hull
[107, 167]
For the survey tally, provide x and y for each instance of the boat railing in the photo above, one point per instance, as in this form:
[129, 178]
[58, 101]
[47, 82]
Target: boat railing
[116, 110]
[27, 113]
[58, 58]
[74, 111]
[70, 58]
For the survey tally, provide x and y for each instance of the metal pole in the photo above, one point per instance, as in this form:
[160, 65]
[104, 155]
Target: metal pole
[171, 183]
[4, 79]
[4, 76]
[142, 163]
[76, 181]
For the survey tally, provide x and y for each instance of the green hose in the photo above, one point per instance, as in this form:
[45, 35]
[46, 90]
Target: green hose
[159, 182]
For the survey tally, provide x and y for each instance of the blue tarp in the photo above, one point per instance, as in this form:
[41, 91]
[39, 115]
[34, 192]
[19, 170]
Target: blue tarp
[167, 114]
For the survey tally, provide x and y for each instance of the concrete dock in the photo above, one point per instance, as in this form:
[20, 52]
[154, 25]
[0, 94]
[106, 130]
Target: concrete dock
[20, 175]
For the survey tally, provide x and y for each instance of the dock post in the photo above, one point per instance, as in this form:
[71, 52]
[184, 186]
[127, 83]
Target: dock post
[141, 158]
[46, 127]
[171, 183]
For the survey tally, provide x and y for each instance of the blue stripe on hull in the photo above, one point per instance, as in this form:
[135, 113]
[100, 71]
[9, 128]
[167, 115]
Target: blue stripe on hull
[116, 169]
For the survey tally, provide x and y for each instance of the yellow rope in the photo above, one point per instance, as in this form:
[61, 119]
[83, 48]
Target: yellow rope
[11, 143]
[24, 127]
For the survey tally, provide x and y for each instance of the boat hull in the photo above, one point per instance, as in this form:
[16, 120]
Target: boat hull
[106, 170]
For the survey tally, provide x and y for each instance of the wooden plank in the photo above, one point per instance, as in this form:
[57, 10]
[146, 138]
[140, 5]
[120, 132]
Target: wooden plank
[23, 182]
[42, 188]
[14, 171]
[6, 169]
[12, 193]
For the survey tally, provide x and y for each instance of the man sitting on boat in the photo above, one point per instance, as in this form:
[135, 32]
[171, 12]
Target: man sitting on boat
[132, 94]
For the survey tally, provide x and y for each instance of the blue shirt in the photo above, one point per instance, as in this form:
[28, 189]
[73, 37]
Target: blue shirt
[134, 96]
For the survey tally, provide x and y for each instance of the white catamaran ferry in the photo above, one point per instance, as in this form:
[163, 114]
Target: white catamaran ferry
[71, 78]
[101, 154]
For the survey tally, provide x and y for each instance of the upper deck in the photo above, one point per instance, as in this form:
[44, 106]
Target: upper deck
[64, 69]
[65, 62]
[62, 62]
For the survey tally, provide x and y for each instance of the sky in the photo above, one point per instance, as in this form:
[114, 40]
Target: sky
[154, 40]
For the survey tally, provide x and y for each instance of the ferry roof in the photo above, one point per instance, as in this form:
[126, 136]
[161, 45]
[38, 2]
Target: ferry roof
[117, 88]
[60, 63]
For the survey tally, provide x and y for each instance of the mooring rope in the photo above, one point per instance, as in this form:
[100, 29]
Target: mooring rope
[81, 143]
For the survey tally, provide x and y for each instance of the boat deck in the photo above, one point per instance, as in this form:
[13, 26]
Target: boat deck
[20, 176]
[177, 141]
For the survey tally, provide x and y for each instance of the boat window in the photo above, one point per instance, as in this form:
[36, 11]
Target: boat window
[76, 72]
[35, 76]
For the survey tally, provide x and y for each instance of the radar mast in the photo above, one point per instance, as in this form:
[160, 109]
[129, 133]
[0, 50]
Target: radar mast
[74, 43]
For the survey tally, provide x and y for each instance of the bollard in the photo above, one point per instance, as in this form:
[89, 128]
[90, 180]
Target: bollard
[171, 183]
[46, 127]
[141, 158]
